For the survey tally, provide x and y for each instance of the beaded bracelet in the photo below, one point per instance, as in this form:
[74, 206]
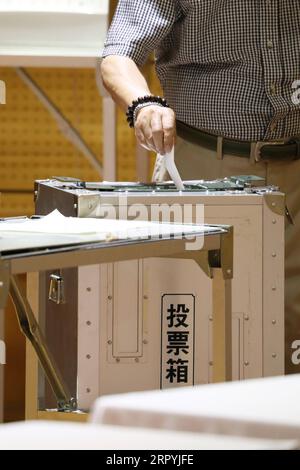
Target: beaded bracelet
[154, 100]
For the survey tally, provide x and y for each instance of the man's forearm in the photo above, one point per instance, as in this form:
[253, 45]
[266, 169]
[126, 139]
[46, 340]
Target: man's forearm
[123, 80]
[155, 126]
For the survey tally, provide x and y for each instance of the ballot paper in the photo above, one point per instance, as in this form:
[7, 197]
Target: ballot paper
[54, 223]
[101, 229]
[169, 161]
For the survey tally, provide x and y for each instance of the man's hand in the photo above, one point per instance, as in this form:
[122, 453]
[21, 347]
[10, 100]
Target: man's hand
[155, 129]
[155, 126]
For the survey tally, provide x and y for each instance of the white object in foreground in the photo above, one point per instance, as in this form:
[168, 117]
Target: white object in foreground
[45, 435]
[263, 408]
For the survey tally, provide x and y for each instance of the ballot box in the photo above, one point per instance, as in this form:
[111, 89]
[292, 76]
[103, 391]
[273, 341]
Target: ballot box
[135, 314]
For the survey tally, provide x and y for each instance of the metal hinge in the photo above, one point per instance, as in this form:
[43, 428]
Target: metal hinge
[57, 289]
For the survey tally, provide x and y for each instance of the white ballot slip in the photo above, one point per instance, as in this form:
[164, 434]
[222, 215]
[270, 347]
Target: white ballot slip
[56, 223]
[169, 160]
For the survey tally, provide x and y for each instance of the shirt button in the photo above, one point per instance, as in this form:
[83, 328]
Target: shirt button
[270, 44]
[273, 126]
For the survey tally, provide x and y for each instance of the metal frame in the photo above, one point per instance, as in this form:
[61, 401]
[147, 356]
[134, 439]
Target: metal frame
[219, 243]
[109, 130]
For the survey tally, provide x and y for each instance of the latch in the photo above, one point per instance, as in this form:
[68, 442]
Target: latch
[57, 289]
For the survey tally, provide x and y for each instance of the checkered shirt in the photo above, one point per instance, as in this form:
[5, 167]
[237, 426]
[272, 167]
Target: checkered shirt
[226, 66]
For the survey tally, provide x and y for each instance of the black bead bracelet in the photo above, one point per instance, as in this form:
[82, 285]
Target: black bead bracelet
[143, 100]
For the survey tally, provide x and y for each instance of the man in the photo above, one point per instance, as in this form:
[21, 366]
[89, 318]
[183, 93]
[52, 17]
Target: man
[229, 72]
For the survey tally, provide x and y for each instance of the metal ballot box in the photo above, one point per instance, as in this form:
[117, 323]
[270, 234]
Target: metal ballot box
[117, 328]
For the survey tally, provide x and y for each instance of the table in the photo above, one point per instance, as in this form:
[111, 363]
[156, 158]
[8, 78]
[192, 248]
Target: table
[44, 435]
[40, 252]
[265, 408]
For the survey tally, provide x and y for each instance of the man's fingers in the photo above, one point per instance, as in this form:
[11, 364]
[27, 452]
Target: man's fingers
[149, 137]
[169, 127]
[156, 129]
[140, 137]
[157, 133]
[144, 125]
[144, 135]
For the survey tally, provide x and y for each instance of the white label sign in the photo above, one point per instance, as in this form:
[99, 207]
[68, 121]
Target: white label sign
[177, 341]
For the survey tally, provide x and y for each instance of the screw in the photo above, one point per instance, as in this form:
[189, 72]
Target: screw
[118, 359]
[89, 289]
[137, 359]
[274, 355]
[88, 323]
[246, 363]
[88, 390]
[109, 297]
[246, 317]
[274, 322]
[109, 341]
[88, 356]
[210, 318]
[145, 341]
[211, 363]
[274, 255]
[274, 288]
[146, 297]
[274, 221]
[229, 271]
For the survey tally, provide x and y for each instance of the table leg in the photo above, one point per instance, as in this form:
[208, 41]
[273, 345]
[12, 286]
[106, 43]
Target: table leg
[4, 286]
[2, 362]
[30, 328]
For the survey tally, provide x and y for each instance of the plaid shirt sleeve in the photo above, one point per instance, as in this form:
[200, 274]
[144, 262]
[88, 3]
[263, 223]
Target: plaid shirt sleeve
[138, 28]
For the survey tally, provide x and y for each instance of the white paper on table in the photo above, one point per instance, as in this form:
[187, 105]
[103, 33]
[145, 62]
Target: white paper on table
[102, 229]
[54, 223]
